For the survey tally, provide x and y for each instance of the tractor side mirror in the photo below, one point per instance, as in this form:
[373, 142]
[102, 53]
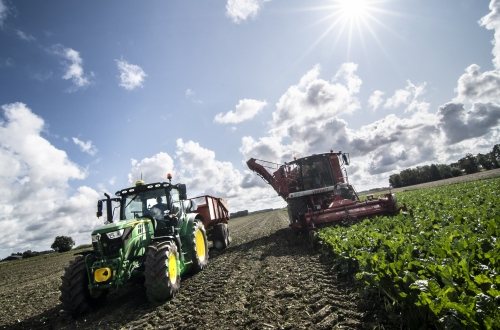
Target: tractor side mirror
[182, 191]
[346, 159]
[99, 209]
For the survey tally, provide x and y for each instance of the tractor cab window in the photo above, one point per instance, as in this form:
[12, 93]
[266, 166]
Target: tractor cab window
[316, 173]
[155, 203]
[176, 203]
[132, 207]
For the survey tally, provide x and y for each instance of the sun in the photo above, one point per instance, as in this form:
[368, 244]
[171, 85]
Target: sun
[354, 9]
[351, 22]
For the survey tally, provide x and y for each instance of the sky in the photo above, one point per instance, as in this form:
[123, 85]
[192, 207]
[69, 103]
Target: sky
[94, 94]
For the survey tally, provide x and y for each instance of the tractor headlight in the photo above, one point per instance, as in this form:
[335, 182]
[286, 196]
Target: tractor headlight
[115, 234]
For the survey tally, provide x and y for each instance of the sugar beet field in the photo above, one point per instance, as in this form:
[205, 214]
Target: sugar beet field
[436, 265]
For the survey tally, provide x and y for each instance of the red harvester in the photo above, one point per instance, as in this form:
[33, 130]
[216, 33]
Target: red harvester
[317, 190]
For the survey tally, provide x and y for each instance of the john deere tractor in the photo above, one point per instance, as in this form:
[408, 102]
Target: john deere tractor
[159, 235]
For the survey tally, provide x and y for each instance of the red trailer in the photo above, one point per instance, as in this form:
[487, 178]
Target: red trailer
[215, 215]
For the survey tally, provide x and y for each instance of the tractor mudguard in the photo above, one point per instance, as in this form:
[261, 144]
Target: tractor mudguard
[190, 220]
[174, 239]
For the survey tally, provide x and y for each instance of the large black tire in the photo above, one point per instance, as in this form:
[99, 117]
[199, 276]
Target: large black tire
[75, 295]
[221, 238]
[162, 274]
[198, 247]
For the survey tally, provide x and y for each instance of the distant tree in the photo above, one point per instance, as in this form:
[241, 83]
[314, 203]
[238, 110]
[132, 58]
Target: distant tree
[486, 161]
[444, 171]
[395, 180]
[435, 174]
[424, 174]
[409, 177]
[62, 244]
[29, 254]
[469, 164]
[456, 171]
[495, 156]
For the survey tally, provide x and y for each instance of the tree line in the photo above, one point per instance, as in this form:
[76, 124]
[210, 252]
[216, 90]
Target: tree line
[468, 165]
[61, 244]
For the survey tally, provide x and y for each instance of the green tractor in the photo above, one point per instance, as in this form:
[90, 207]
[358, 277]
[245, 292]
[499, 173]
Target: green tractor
[160, 235]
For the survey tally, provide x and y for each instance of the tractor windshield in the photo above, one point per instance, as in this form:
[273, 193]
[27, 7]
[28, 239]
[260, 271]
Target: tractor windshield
[155, 203]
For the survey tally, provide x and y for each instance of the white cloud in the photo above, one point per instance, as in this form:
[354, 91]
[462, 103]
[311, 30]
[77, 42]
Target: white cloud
[314, 101]
[35, 203]
[6, 62]
[131, 76]
[245, 109]
[306, 119]
[458, 124]
[24, 36]
[191, 95]
[151, 169]
[409, 98]
[73, 66]
[3, 12]
[85, 146]
[492, 22]
[241, 10]
[475, 86]
[203, 173]
[376, 100]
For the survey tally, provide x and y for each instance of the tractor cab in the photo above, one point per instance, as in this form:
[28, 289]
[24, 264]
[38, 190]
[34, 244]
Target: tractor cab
[156, 203]
[312, 172]
[161, 202]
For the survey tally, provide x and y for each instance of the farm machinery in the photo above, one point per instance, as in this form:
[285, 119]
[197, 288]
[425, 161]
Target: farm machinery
[159, 235]
[317, 191]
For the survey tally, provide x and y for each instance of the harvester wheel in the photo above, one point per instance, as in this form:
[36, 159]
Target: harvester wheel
[76, 297]
[221, 236]
[162, 271]
[199, 246]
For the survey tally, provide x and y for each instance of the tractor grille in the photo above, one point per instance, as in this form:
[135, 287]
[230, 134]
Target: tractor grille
[109, 248]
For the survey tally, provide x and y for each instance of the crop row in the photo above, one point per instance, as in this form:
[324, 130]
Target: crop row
[437, 263]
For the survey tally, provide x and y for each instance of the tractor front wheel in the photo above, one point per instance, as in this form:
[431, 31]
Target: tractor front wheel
[162, 271]
[199, 246]
[76, 298]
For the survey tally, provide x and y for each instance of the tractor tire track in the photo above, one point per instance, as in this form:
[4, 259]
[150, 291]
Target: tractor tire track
[268, 278]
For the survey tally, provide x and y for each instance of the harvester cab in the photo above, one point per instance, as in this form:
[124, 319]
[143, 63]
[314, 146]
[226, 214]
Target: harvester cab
[317, 190]
[157, 233]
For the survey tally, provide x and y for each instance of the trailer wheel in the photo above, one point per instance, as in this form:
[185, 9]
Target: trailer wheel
[162, 273]
[199, 246]
[221, 236]
[76, 297]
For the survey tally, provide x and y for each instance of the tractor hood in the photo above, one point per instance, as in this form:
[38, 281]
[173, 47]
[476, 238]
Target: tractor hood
[115, 226]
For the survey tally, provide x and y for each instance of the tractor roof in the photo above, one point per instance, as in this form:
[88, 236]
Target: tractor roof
[313, 156]
[140, 187]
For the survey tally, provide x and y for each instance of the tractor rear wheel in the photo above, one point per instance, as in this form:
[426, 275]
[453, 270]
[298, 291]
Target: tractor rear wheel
[162, 272]
[221, 236]
[199, 246]
[76, 297]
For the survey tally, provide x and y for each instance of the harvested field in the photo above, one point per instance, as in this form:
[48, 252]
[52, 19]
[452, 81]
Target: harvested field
[268, 278]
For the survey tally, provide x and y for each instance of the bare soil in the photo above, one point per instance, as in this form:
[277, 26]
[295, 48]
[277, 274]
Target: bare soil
[268, 278]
